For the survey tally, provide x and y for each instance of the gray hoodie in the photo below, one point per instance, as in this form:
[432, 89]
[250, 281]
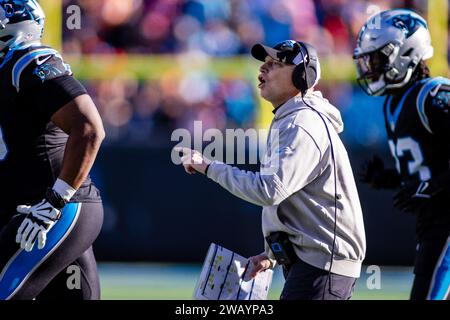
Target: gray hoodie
[296, 186]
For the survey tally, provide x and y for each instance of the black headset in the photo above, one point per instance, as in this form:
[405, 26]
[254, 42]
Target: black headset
[304, 77]
[305, 74]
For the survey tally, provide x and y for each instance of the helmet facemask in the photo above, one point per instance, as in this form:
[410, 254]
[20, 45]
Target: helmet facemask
[371, 68]
[377, 71]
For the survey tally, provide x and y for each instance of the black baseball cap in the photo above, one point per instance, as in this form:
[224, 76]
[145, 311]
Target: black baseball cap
[288, 52]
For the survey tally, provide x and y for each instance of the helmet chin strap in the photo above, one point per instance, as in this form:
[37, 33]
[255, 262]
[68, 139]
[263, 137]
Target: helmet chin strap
[379, 87]
[404, 81]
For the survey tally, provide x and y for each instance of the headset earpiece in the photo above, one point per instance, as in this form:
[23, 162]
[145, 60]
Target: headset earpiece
[301, 78]
[298, 78]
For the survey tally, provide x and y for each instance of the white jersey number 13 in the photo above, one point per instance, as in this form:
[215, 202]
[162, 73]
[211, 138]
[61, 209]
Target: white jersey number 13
[405, 145]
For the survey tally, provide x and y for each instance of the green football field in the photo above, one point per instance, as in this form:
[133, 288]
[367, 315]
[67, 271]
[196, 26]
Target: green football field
[177, 281]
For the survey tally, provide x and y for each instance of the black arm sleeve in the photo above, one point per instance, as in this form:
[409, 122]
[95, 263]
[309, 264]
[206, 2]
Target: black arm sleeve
[56, 93]
[48, 87]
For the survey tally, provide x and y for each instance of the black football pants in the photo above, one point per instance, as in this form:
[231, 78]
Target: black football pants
[64, 269]
[432, 268]
[306, 282]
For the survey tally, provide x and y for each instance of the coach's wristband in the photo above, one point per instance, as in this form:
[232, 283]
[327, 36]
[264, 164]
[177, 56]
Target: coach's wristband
[64, 190]
[272, 262]
[206, 170]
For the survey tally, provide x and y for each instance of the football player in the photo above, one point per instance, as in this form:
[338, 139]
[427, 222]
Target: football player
[390, 57]
[50, 133]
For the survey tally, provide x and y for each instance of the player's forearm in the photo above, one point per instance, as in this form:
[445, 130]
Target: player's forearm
[80, 153]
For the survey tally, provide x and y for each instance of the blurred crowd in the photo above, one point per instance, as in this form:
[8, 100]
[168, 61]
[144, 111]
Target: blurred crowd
[220, 27]
[133, 110]
[148, 112]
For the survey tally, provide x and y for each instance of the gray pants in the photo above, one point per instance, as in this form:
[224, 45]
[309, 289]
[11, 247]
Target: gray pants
[305, 282]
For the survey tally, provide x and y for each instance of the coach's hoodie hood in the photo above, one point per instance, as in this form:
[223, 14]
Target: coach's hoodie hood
[316, 100]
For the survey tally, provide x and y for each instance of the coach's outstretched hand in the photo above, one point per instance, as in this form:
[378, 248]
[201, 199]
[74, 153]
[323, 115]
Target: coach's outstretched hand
[39, 220]
[193, 160]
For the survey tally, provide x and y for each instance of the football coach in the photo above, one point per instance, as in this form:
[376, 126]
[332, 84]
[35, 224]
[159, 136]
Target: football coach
[311, 219]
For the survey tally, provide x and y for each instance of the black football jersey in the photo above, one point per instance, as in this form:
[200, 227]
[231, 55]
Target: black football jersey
[418, 128]
[34, 84]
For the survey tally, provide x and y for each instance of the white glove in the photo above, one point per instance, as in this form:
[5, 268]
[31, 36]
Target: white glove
[40, 219]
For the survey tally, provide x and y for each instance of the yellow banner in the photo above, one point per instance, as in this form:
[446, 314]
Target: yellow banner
[53, 23]
[438, 24]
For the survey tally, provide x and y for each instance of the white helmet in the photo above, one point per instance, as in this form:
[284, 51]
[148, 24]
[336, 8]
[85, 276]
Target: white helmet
[21, 24]
[390, 46]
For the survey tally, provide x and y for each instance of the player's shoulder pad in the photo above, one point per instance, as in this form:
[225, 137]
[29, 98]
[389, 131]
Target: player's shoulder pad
[436, 90]
[38, 65]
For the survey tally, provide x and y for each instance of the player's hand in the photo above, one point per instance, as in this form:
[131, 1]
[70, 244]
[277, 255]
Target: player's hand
[374, 174]
[193, 160]
[413, 197]
[257, 265]
[40, 219]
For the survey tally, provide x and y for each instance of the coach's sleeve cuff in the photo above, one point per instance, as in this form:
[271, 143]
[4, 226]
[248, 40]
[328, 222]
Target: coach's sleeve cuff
[271, 258]
[214, 170]
[273, 263]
